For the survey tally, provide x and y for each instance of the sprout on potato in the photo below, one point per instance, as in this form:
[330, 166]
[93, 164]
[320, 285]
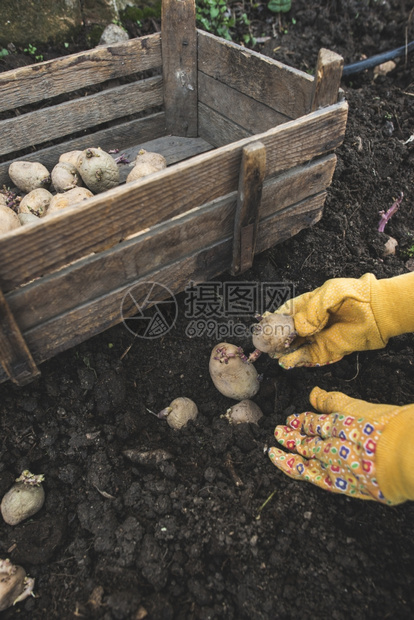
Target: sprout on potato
[274, 334]
[28, 175]
[36, 202]
[25, 498]
[232, 373]
[15, 586]
[244, 412]
[98, 170]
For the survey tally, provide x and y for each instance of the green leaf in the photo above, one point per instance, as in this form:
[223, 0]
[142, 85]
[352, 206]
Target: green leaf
[279, 6]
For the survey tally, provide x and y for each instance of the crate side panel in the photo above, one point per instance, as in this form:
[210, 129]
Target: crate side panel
[84, 113]
[217, 129]
[286, 90]
[72, 328]
[63, 75]
[99, 274]
[131, 208]
[122, 136]
[250, 114]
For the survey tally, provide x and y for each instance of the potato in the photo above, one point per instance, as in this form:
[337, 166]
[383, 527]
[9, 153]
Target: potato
[9, 220]
[28, 175]
[179, 412]
[15, 586]
[274, 334]
[71, 157]
[231, 372]
[154, 159]
[3, 199]
[98, 170]
[65, 177]
[74, 196]
[244, 412]
[28, 218]
[36, 202]
[141, 170]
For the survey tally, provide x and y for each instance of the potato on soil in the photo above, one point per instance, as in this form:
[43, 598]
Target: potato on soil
[232, 374]
[9, 220]
[25, 498]
[36, 202]
[141, 170]
[244, 412]
[274, 334]
[28, 175]
[180, 411]
[71, 157]
[75, 196]
[98, 170]
[65, 177]
[15, 586]
[154, 159]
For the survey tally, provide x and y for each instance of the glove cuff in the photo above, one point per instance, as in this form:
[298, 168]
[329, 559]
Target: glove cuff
[392, 303]
[395, 457]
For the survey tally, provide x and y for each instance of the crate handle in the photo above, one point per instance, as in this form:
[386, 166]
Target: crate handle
[327, 79]
[252, 173]
[15, 356]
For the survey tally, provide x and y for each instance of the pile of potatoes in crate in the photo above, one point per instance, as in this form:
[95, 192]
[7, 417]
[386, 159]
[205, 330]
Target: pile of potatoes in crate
[77, 176]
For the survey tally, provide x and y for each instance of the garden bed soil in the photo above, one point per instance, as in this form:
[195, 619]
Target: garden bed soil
[216, 531]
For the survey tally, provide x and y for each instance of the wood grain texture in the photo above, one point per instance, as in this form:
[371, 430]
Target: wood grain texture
[217, 129]
[106, 219]
[286, 90]
[79, 324]
[246, 221]
[327, 79]
[97, 275]
[248, 113]
[84, 113]
[15, 358]
[179, 60]
[122, 136]
[30, 84]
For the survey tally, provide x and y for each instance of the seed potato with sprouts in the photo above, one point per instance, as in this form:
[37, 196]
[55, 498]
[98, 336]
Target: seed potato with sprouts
[35, 202]
[29, 175]
[141, 170]
[25, 498]
[244, 412]
[154, 159]
[9, 220]
[65, 176]
[15, 586]
[232, 373]
[98, 170]
[75, 196]
[274, 334]
[179, 412]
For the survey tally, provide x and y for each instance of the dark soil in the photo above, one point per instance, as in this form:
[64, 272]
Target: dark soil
[193, 536]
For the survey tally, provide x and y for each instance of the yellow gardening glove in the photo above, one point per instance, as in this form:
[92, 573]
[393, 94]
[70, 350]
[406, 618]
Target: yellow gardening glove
[346, 315]
[357, 448]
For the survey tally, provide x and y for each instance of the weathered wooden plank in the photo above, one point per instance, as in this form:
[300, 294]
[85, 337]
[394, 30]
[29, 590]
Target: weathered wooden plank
[106, 219]
[246, 221]
[122, 136]
[179, 60]
[83, 113]
[15, 358]
[63, 75]
[99, 274]
[290, 222]
[248, 113]
[327, 79]
[217, 129]
[278, 86]
[79, 324]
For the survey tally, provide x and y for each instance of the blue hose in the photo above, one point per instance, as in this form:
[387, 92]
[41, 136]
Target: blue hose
[369, 63]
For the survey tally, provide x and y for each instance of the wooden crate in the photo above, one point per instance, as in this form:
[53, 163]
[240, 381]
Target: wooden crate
[250, 146]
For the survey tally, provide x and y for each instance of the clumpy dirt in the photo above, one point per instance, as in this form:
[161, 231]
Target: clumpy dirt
[216, 531]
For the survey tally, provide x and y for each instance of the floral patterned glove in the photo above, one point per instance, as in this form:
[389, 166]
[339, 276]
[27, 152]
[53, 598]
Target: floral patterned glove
[339, 450]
